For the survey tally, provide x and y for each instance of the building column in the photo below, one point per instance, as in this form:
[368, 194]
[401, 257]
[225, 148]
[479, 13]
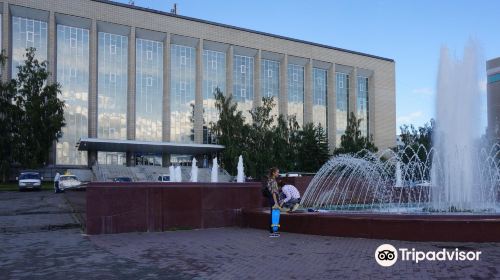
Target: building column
[371, 107]
[131, 94]
[308, 93]
[229, 71]
[92, 110]
[165, 160]
[353, 91]
[51, 59]
[131, 83]
[257, 96]
[331, 109]
[198, 100]
[166, 97]
[51, 48]
[6, 69]
[283, 97]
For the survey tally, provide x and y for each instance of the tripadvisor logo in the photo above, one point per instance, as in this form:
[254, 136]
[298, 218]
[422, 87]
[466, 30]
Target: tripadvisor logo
[387, 255]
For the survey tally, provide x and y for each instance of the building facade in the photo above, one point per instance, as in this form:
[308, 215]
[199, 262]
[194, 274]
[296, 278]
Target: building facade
[493, 97]
[144, 77]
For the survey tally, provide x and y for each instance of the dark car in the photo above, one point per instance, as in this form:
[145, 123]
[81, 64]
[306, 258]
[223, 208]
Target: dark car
[164, 178]
[122, 179]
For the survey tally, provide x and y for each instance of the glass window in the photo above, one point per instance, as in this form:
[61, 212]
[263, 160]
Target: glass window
[182, 93]
[112, 86]
[243, 67]
[111, 158]
[319, 97]
[73, 75]
[342, 91]
[182, 160]
[148, 159]
[149, 90]
[27, 33]
[362, 104]
[296, 92]
[214, 76]
[270, 82]
[72, 43]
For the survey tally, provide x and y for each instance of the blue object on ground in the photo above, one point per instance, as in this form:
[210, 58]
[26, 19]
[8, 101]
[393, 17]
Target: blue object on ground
[275, 219]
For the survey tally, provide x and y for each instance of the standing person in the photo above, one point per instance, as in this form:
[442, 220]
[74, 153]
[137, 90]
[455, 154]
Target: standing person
[56, 183]
[272, 187]
[290, 197]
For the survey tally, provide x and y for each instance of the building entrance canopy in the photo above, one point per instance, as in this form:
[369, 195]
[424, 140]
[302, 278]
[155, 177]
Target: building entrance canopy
[110, 145]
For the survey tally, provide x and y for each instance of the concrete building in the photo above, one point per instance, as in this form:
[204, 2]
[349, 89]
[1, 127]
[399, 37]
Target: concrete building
[493, 93]
[138, 83]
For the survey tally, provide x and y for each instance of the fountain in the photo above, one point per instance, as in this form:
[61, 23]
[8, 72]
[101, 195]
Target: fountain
[456, 175]
[171, 170]
[398, 182]
[413, 193]
[240, 178]
[194, 171]
[215, 171]
[178, 174]
[456, 169]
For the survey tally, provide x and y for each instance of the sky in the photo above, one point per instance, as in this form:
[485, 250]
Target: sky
[410, 32]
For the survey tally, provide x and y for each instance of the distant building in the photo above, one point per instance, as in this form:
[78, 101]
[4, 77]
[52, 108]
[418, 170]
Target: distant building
[493, 88]
[138, 83]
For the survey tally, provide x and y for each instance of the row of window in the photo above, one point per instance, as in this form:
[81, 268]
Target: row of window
[73, 74]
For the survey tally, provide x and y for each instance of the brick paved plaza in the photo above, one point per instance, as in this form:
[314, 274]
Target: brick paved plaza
[40, 239]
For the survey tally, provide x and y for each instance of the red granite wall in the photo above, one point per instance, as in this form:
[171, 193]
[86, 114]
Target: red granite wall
[133, 207]
[445, 228]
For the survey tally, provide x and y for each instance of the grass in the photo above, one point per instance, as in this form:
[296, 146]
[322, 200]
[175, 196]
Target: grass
[12, 186]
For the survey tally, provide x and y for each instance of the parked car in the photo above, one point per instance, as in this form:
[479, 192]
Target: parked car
[29, 180]
[122, 179]
[164, 178]
[65, 182]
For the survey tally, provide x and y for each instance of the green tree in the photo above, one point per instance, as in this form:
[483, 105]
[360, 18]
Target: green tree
[9, 120]
[230, 131]
[259, 145]
[42, 112]
[312, 148]
[307, 149]
[281, 148]
[353, 141]
[265, 143]
[323, 152]
[415, 138]
[294, 142]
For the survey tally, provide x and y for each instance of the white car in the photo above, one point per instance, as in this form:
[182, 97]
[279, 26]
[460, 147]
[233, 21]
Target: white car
[29, 180]
[65, 182]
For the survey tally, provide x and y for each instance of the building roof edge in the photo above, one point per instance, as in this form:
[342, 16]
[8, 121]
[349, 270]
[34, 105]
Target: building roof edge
[240, 29]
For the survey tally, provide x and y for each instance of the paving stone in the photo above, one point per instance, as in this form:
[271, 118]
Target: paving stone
[32, 252]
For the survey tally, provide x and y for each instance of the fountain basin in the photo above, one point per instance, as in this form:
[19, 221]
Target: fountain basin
[410, 227]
